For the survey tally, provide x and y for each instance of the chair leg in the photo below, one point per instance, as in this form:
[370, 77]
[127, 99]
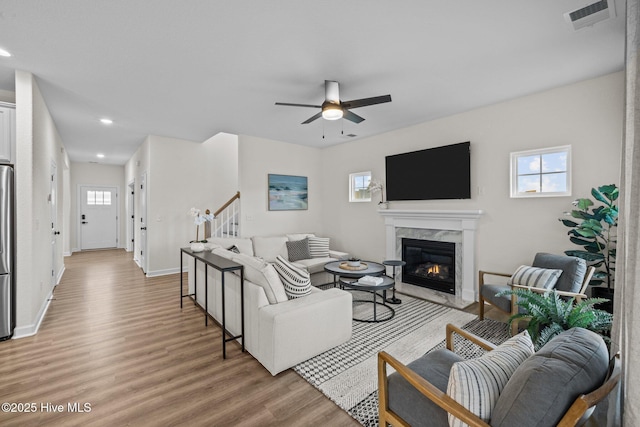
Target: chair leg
[481, 308]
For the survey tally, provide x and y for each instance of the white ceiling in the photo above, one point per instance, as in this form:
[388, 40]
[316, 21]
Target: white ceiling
[191, 69]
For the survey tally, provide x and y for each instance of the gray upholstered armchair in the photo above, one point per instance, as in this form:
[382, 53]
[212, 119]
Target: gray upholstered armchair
[558, 385]
[572, 282]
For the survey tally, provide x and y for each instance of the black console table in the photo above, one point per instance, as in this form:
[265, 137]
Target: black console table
[223, 265]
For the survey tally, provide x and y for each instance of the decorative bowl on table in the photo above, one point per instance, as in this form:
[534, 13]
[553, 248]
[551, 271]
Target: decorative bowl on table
[353, 262]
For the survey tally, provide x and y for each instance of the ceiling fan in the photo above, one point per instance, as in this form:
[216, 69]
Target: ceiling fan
[333, 109]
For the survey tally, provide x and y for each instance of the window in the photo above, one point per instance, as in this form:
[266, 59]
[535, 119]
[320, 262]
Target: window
[541, 173]
[359, 187]
[98, 197]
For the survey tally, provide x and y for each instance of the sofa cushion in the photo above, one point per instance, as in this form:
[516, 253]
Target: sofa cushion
[264, 275]
[268, 248]
[477, 383]
[297, 282]
[543, 388]
[313, 265]
[298, 249]
[573, 270]
[299, 236]
[224, 253]
[535, 277]
[244, 245]
[319, 247]
[412, 405]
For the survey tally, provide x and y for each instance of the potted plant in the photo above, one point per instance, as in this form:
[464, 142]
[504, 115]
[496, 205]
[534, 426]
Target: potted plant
[596, 233]
[197, 245]
[374, 187]
[549, 315]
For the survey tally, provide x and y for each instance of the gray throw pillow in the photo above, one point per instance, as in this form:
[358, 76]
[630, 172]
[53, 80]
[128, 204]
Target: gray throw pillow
[298, 249]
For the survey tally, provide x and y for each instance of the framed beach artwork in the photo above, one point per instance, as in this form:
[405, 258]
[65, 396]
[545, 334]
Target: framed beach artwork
[288, 193]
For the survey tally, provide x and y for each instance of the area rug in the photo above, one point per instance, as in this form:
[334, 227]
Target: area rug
[347, 374]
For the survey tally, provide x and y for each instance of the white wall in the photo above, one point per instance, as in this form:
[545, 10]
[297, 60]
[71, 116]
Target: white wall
[98, 175]
[38, 145]
[180, 175]
[259, 157]
[586, 115]
[7, 96]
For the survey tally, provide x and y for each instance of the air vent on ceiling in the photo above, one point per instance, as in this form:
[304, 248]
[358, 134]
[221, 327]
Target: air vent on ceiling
[591, 14]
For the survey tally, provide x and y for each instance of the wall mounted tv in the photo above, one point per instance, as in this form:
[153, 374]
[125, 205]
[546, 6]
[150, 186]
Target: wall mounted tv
[431, 174]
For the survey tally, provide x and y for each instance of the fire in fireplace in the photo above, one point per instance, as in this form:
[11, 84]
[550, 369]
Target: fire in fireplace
[429, 264]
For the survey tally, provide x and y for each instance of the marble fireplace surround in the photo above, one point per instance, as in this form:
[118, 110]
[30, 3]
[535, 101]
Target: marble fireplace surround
[456, 226]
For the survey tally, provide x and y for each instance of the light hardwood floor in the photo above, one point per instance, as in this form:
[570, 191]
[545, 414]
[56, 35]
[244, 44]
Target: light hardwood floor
[118, 341]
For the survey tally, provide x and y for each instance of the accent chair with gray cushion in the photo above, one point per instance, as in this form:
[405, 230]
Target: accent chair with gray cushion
[542, 276]
[558, 385]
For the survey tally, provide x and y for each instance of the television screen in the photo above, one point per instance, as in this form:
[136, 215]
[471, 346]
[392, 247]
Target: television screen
[431, 174]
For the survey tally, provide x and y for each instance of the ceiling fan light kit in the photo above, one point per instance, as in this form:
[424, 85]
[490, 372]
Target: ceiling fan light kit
[333, 109]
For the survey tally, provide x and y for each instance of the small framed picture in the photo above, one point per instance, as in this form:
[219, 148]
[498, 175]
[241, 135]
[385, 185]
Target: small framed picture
[288, 193]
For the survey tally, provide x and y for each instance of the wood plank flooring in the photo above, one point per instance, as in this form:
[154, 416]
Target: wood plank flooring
[118, 341]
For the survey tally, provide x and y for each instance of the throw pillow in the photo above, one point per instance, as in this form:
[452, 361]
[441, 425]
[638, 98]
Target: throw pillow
[319, 247]
[298, 249]
[535, 277]
[476, 384]
[296, 281]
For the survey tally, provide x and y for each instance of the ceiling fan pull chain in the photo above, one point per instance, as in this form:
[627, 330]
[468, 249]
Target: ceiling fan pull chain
[323, 129]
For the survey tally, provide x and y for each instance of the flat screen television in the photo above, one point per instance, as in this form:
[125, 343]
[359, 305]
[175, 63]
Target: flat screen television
[432, 174]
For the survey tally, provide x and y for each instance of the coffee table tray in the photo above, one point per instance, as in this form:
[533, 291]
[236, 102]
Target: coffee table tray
[345, 266]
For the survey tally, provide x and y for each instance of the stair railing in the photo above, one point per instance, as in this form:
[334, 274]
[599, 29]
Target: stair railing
[226, 220]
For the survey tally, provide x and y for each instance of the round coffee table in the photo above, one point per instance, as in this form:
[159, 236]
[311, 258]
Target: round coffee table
[387, 283]
[337, 268]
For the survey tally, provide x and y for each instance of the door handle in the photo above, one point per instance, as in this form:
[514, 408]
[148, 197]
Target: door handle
[85, 222]
[143, 228]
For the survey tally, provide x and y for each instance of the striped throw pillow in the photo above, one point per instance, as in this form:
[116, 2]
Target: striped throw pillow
[476, 384]
[319, 247]
[296, 281]
[535, 277]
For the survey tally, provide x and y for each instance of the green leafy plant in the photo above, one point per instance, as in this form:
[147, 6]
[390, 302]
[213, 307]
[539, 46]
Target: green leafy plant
[596, 232]
[549, 315]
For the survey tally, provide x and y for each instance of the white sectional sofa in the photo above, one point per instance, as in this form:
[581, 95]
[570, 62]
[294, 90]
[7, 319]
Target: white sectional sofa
[280, 332]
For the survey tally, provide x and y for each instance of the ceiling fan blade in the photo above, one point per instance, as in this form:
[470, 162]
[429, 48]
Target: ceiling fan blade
[298, 105]
[367, 101]
[331, 91]
[351, 116]
[312, 118]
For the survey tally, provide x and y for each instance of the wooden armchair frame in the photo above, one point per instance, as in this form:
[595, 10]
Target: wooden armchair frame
[514, 299]
[576, 412]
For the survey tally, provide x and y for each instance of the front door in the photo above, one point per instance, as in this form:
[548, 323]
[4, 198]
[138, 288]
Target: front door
[98, 217]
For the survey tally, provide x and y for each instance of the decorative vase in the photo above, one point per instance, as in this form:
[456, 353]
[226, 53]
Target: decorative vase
[197, 247]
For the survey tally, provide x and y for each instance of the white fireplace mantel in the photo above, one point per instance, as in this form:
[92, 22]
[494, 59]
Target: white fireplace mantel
[464, 221]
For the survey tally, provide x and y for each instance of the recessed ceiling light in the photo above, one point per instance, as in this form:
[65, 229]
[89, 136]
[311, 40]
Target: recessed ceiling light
[100, 155]
[106, 121]
[4, 52]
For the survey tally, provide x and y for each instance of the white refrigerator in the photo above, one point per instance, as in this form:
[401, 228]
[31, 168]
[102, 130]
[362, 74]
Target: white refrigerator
[7, 283]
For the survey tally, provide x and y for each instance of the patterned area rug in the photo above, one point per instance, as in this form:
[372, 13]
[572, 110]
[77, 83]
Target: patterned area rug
[347, 374]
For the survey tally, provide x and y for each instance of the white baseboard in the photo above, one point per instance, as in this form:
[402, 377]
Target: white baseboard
[163, 272]
[67, 253]
[60, 273]
[30, 330]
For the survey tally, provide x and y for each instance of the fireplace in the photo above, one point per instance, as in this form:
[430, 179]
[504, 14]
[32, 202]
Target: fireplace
[430, 264]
